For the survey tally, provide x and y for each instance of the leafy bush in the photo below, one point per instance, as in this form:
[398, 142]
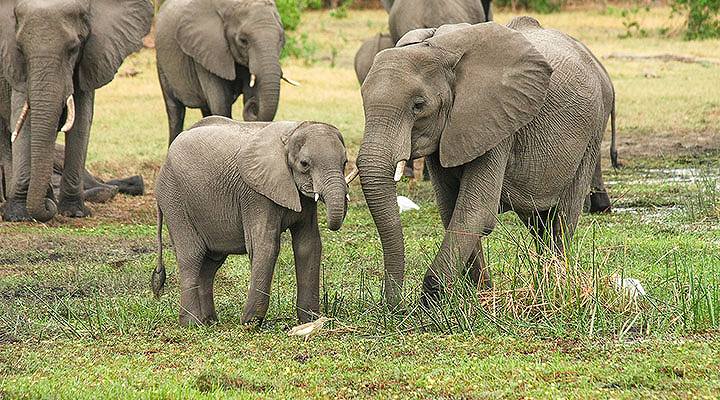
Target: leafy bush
[541, 6]
[290, 12]
[703, 17]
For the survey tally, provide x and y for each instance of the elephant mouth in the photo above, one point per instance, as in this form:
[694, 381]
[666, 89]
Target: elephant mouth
[67, 114]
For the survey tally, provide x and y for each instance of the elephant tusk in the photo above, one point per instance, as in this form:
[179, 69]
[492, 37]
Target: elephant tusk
[252, 80]
[70, 120]
[317, 197]
[290, 81]
[20, 121]
[399, 170]
[352, 175]
[347, 196]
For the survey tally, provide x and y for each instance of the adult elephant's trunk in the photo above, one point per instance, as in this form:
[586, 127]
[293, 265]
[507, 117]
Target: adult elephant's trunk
[377, 160]
[268, 82]
[334, 191]
[46, 99]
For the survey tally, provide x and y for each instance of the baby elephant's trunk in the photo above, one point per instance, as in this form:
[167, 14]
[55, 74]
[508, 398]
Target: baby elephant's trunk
[158, 276]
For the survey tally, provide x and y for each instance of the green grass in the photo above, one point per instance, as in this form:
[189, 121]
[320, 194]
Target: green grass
[77, 319]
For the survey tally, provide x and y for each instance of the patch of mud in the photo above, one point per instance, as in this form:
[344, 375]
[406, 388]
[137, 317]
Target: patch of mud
[662, 145]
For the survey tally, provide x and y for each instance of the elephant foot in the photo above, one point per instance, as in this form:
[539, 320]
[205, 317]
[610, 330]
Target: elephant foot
[15, 211]
[188, 320]
[73, 208]
[100, 194]
[431, 292]
[600, 202]
[133, 186]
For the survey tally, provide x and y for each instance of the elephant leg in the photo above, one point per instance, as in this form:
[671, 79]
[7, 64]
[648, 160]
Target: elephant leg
[16, 206]
[598, 197]
[217, 92]
[133, 185]
[571, 201]
[446, 185]
[71, 201]
[210, 265]
[205, 111]
[307, 249]
[5, 162]
[262, 265]
[474, 216]
[262, 233]
[174, 108]
[539, 223]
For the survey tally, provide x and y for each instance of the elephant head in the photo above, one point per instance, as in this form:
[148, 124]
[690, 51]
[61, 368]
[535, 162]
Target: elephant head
[457, 90]
[223, 33]
[54, 48]
[314, 158]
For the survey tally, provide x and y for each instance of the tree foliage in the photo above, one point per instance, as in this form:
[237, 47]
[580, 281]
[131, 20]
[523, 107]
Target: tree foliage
[703, 17]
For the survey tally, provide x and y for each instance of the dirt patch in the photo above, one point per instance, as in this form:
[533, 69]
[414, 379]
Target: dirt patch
[21, 249]
[663, 145]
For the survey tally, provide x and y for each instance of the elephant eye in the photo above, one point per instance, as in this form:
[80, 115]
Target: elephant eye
[242, 41]
[304, 164]
[418, 105]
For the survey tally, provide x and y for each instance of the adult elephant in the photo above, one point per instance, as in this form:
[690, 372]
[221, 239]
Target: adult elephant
[55, 53]
[407, 15]
[366, 54]
[508, 118]
[209, 52]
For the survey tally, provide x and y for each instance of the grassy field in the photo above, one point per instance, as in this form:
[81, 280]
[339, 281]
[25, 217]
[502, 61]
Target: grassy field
[77, 319]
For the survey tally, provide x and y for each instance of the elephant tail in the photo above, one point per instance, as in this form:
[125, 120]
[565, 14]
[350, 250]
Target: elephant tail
[613, 143]
[158, 276]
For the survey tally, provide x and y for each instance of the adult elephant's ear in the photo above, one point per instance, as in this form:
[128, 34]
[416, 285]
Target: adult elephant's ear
[201, 35]
[12, 65]
[263, 164]
[500, 84]
[116, 30]
[387, 4]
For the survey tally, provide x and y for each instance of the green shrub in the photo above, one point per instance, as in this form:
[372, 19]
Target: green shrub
[541, 6]
[703, 17]
[290, 12]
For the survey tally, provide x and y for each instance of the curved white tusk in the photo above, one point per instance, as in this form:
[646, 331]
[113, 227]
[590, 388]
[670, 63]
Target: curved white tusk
[317, 197]
[290, 81]
[252, 80]
[399, 170]
[347, 196]
[352, 175]
[20, 121]
[70, 120]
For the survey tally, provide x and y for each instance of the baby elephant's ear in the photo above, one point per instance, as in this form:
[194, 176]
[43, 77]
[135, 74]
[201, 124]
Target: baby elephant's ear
[264, 166]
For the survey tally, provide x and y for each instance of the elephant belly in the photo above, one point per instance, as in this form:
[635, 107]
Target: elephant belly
[219, 225]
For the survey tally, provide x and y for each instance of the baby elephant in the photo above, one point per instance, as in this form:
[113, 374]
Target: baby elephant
[232, 187]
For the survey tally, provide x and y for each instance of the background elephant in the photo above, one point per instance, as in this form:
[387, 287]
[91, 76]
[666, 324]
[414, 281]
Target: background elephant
[232, 188]
[366, 54]
[94, 189]
[407, 15]
[508, 118]
[55, 53]
[211, 51]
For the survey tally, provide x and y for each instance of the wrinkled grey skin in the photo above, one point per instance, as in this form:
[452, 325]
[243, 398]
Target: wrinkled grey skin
[366, 54]
[94, 189]
[407, 15]
[52, 49]
[501, 130]
[232, 188]
[207, 51]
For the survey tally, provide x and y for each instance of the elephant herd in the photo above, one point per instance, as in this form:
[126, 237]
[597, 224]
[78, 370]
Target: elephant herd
[508, 118]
